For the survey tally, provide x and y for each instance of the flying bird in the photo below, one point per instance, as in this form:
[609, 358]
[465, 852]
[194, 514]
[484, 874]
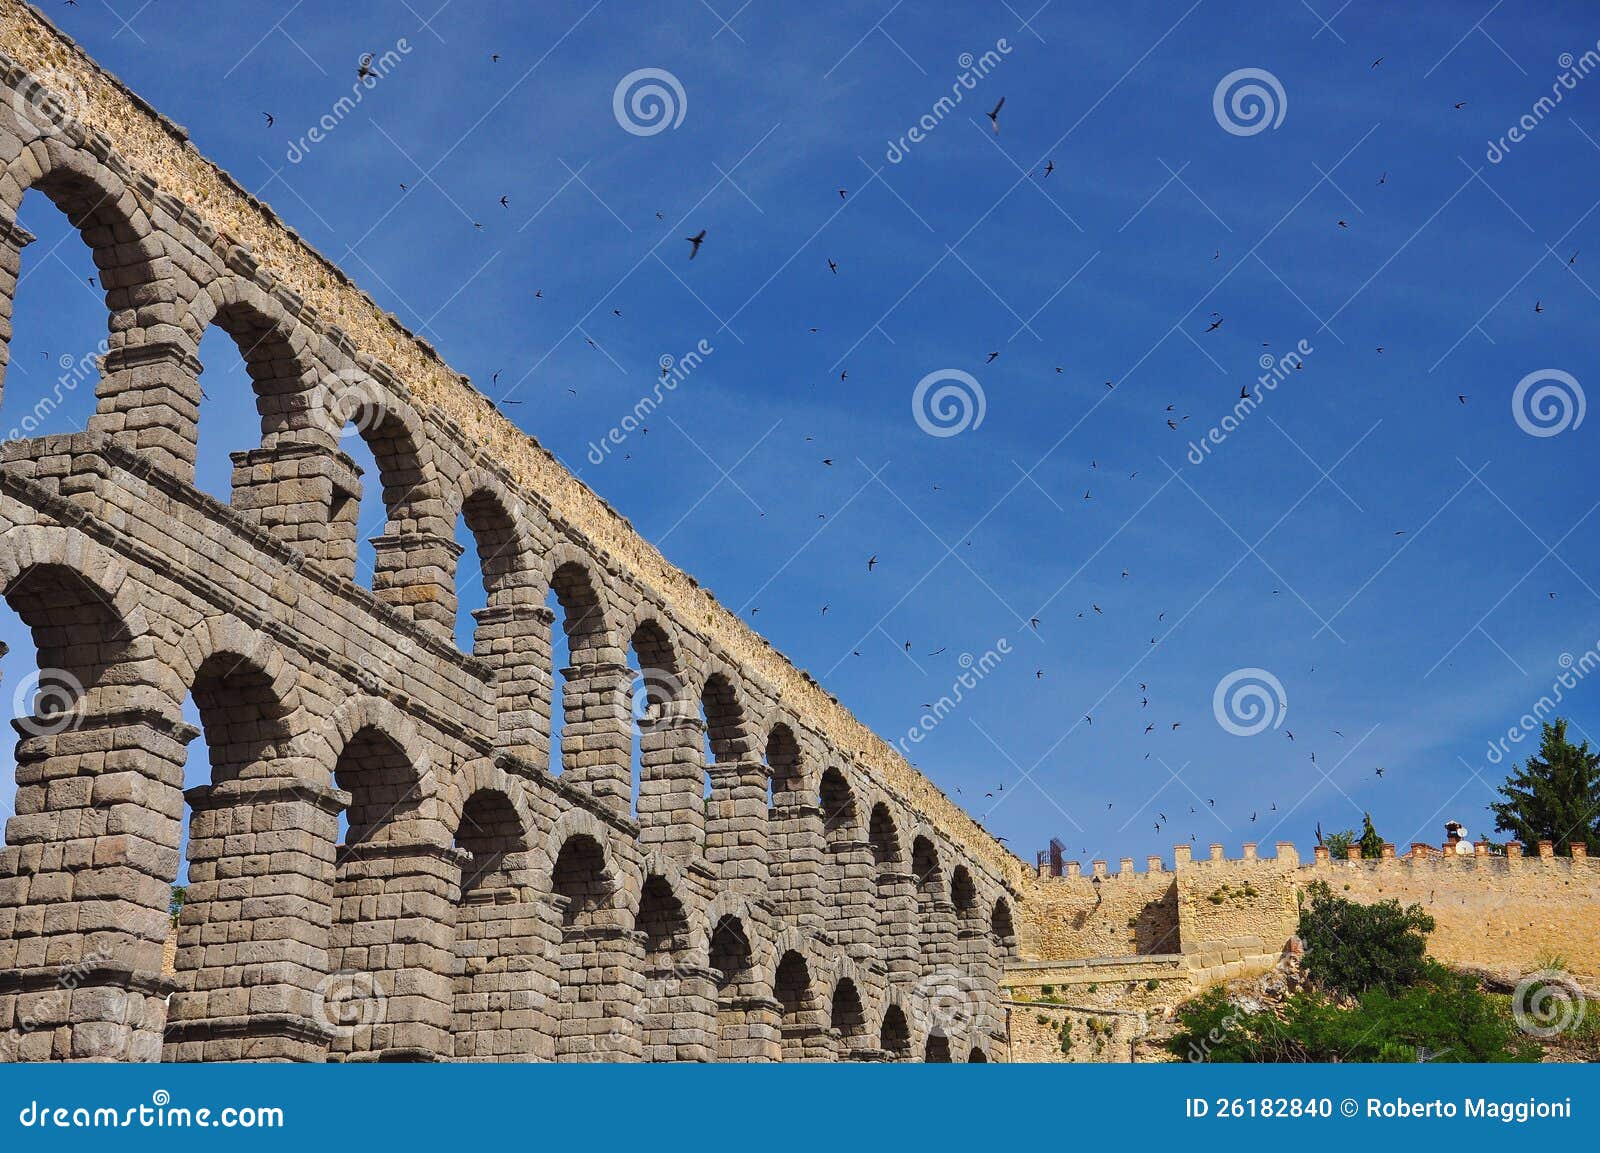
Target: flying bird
[994, 117]
[271, 120]
[695, 242]
[364, 69]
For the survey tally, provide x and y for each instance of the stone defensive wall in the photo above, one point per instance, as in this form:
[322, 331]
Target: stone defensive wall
[384, 864]
[1491, 910]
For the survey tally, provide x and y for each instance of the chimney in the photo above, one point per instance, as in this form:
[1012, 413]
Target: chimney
[1216, 852]
[1249, 850]
[1153, 863]
[1125, 865]
[1074, 869]
[1181, 855]
[1099, 868]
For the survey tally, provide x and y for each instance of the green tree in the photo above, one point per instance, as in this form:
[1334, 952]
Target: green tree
[1555, 796]
[1371, 843]
[175, 901]
[1338, 844]
[1351, 948]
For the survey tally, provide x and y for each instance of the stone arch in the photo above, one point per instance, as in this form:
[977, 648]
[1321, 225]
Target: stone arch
[802, 1011]
[937, 1049]
[580, 589]
[934, 913]
[505, 980]
[847, 1018]
[747, 1024]
[794, 830]
[494, 517]
[1003, 930]
[735, 801]
[677, 1011]
[666, 734]
[601, 980]
[126, 250]
[964, 896]
[378, 754]
[245, 692]
[894, 1033]
[275, 346]
[977, 1056]
[896, 893]
[725, 712]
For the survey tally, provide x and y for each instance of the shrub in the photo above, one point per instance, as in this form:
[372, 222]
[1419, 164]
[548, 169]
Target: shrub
[1351, 948]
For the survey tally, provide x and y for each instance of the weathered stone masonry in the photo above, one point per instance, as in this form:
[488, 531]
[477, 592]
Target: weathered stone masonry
[480, 906]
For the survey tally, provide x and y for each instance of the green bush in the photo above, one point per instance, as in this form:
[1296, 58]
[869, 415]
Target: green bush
[1351, 948]
[1443, 1016]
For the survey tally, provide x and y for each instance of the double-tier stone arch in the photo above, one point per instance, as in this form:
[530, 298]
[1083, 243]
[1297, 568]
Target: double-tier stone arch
[854, 1015]
[677, 1009]
[747, 1015]
[935, 914]
[94, 845]
[802, 999]
[849, 880]
[895, 892]
[794, 823]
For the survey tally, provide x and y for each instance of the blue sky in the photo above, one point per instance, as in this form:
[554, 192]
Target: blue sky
[1368, 223]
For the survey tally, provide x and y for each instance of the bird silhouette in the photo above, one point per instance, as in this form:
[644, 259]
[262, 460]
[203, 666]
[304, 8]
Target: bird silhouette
[696, 241]
[994, 117]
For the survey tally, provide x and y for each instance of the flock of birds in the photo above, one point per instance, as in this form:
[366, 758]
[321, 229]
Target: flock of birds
[1170, 416]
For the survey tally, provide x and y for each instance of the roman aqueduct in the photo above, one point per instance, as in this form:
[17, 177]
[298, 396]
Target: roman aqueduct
[821, 900]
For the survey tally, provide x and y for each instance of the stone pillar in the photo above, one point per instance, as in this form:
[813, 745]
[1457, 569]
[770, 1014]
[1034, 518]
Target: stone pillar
[85, 880]
[254, 929]
[597, 734]
[13, 239]
[671, 772]
[749, 1029]
[415, 572]
[736, 824]
[391, 994]
[939, 935]
[678, 1014]
[796, 851]
[806, 1036]
[851, 919]
[149, 399]
[508, 984]
[307, 495]
[897, 935]
[602, 984]
[514, 641]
